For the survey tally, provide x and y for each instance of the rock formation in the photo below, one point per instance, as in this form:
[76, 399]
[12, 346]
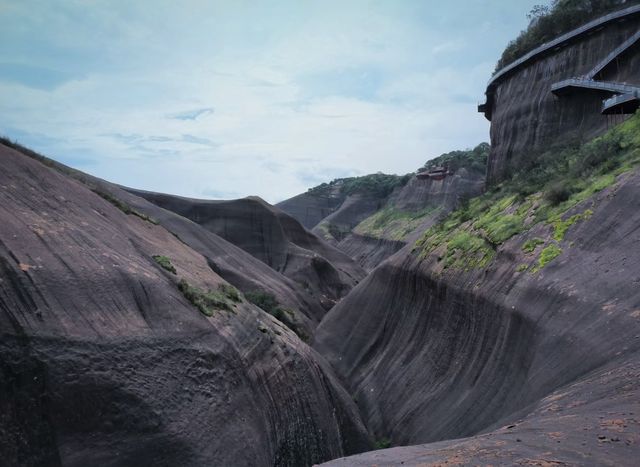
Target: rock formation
[274, 238]
[533, 347]
[528, 118]
[108, 354]
[498, 325]
[369, 227]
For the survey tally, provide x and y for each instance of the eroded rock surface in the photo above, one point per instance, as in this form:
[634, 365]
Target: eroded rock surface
[543, 363]
[274, 238]
[104, 361]
[527, 118]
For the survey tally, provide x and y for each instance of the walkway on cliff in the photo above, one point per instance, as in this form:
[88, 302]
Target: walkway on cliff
[570, 84]
[557, 44]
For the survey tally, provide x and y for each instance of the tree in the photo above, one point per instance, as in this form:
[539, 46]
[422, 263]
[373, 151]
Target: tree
[537, 12]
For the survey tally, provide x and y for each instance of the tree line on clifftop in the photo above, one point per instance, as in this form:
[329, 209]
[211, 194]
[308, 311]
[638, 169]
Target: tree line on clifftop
[548, 22]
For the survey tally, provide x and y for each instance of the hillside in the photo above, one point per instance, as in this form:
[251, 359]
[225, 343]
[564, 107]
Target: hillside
[587, 80]
[381, 214]
[118, 338]
[484, 310]
[274, 238]
[515, 319]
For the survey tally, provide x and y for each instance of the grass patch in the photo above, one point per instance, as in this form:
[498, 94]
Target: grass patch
[392, 223]
[165, 263]
[207, 302]
[467, 251]
[269, 303]
[530, 245]
[522, 267]
[560, 226]
[471, 234]
[548, 254]
[383, 443]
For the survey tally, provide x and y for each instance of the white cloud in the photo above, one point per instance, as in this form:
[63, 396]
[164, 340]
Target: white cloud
[204, 98]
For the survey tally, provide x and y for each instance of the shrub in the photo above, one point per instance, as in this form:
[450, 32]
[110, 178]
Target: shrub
[206, 302]
[230, 292]
[264, 300]
[557, 193]
[382, 443]
[165, 263]
[378, 184]
[475, 160]
[530, 245]
[269, 303]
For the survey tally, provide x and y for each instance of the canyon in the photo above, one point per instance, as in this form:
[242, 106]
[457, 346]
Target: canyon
[483, 310]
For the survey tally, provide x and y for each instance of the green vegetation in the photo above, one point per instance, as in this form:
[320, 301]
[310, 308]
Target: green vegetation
[230, 292]
[125, 208]
[207, 302]
[467, 251]
[383, 443]
[269, 303]
[560, 226]
[548, 254]
[392, 223]
[522, 267]
[470, 235]
[474, 160]
[395, 224]
[379, 184]
[547, 23]
[165, 263]
[530, 245]
[266, 301]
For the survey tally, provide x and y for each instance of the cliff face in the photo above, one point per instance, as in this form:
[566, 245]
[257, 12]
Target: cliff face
[354, 209]
[445, 194]
[274, 238]
[527, 119]
[310, 208]
[408, 212]
[432, 352]
[104, 358]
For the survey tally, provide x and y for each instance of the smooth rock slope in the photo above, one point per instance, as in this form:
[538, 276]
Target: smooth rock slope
[274, 238]
[103, 359]
[539, 359]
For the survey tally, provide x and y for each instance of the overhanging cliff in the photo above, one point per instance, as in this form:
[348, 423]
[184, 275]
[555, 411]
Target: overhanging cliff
[527, 117]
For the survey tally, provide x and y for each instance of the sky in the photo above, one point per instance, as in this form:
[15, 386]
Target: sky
[223, 99]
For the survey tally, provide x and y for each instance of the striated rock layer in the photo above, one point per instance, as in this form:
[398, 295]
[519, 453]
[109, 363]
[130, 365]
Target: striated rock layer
[310, 208]
[526, 118]
[430, 199]
[274, 238]
[543, 362]
[104, 361]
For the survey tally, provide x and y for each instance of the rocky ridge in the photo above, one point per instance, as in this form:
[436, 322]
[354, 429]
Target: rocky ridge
[122, 345]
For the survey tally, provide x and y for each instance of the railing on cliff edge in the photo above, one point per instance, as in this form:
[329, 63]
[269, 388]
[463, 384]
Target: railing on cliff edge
[606, 86]
[624, 102]
[554, 44]
[613, 55]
